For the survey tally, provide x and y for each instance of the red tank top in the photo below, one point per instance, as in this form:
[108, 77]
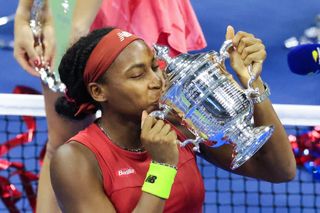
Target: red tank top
[124, 173]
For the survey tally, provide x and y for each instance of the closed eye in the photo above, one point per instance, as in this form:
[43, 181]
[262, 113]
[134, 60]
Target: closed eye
[139, 74]
[154, 64]
[155, 67]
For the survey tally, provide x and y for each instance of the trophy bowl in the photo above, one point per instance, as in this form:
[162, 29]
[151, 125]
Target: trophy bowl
[210, 105]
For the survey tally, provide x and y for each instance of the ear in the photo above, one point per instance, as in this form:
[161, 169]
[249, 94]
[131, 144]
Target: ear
[98, 92]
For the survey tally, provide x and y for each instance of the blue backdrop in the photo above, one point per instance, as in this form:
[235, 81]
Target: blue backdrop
[273, 21]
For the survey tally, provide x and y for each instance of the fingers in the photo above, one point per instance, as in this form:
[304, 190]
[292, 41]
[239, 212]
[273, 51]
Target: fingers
[152, 126]
[172, 136]
[159, 140]
[250, 49]
[24, 50]
[239, 36]
[31, 52]
[146, 122]
[157, 127]
[255, 57]
[143, 117]
[49, 45]
[246, 42]
[230, 33]
[165, 130]
[39, 50]
[256, 69]
[253, 53]
[48, 52]
[22, 59]
[155, 130]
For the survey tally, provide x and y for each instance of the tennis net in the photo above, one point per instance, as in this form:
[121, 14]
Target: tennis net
[23, 135]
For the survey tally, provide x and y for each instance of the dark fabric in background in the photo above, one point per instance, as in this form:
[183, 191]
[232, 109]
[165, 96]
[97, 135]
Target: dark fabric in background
[273, 21]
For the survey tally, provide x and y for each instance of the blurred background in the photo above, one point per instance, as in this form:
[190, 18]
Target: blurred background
[274, 22]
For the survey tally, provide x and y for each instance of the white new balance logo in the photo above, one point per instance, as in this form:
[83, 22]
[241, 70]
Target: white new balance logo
[122, 35]
[122, 172]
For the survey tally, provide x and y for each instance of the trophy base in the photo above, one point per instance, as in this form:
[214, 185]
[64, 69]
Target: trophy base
[262, 134]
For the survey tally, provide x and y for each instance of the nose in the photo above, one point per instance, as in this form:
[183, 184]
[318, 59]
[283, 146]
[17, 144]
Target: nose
[155, 81]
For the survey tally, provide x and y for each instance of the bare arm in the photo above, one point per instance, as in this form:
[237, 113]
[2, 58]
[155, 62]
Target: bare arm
[77, 182]
[274, 162]
[83, 16]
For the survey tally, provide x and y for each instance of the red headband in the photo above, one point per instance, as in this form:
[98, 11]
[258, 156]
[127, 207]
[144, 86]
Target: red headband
[102, 56]
[106, 51]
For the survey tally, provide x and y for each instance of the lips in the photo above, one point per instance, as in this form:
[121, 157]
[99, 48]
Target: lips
[155, 97]
[154, 105]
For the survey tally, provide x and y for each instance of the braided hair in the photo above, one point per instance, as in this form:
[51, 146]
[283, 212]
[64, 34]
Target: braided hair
[71, 70]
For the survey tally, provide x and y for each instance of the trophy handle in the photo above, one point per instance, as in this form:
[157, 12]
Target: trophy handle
[223, 55]
[223, 52]
[163, 51]
[164, 113]
[250, 91]
[195, 142]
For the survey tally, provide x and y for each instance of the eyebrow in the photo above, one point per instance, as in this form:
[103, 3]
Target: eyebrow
[139, 65]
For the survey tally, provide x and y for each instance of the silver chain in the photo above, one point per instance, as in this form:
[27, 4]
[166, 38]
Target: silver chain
[140, 149]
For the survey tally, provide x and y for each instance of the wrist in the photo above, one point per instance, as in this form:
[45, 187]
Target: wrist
[174, 166]
[263, 94]
[169, 162]
[159, 180]
[258, 83]
[244, 78]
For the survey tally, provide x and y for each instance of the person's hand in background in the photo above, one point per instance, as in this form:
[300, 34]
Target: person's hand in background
[27, 51]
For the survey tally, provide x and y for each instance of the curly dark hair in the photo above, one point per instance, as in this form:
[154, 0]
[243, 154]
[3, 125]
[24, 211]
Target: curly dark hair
[71, 70]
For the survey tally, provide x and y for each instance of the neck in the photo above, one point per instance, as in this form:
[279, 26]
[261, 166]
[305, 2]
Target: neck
[121, 130]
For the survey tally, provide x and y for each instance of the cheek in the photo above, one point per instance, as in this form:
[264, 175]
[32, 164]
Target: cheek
[164, 79]
[129, 96]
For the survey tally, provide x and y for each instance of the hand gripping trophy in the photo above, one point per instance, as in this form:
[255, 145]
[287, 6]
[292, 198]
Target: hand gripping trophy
[46, 74]
[210, 105]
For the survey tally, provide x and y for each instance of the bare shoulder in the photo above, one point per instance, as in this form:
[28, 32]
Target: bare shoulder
[74, 159]
[77, 180]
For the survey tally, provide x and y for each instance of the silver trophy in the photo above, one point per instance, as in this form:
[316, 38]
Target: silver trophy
[211, 106]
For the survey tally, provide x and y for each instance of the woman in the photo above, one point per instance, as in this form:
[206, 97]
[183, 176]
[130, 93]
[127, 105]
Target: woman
[128, 161]
[55, 38]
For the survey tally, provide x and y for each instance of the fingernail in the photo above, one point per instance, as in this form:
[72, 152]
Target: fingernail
[36, 62]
